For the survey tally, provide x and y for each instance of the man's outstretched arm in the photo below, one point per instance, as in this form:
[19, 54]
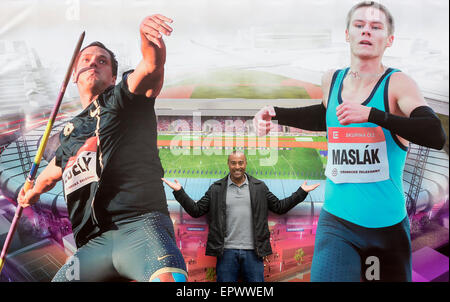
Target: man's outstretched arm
[148, 77]
[195, 209]
[281, 206]
[412, 118]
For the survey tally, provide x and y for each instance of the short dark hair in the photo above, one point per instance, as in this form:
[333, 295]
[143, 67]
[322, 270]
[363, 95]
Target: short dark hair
[381, 7]
[235, 152]
[114, 63]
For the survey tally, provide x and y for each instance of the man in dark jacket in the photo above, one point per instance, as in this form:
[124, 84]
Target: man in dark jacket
[237, 208]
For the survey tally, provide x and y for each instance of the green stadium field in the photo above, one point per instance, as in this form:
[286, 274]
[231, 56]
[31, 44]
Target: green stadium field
[238, 83]
[211, 162]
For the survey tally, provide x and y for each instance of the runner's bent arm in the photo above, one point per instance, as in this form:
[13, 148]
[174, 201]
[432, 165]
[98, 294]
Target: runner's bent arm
[44, 183]
[420, 124]
[412, 119]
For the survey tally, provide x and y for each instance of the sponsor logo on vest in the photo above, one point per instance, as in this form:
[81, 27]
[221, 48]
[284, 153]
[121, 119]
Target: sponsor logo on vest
[81, 168]
[68, 129]
[334, 172]
[82, 165]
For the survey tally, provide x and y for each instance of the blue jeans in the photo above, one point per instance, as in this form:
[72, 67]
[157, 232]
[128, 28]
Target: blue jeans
[234, 263]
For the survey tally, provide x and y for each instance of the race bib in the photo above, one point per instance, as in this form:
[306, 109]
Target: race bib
[357, 155]
[81, 169]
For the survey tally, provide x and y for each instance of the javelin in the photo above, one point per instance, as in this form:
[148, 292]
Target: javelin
[40, 152]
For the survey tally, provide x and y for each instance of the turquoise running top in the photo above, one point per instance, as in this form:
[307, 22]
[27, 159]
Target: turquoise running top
[365, 163]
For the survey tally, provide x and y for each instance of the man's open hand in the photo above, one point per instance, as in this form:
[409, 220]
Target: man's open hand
[308, 188]
[176, 186]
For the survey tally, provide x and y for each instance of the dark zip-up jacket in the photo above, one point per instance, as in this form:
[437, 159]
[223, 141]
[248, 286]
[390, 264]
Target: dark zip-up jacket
[213, 203]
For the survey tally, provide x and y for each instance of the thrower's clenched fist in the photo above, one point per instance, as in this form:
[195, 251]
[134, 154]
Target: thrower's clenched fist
[262, 122]
[26, 199]
[153, 26]
[352, 113]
